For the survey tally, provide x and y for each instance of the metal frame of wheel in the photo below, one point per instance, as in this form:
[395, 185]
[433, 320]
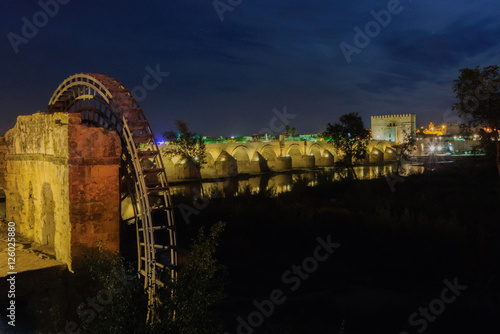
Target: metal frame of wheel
[104, 102]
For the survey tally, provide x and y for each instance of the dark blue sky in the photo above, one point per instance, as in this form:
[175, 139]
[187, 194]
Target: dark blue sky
[227, 76]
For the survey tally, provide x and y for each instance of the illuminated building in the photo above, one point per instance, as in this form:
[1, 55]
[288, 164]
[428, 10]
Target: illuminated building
[393, 127]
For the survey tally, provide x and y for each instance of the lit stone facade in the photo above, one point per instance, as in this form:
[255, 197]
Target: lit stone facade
[393, 127]
[61, 181]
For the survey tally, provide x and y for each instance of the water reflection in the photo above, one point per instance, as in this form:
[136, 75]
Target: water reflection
[279, 183]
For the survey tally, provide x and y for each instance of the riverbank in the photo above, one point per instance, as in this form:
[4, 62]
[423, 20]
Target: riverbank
[246, 176]
[278, 182]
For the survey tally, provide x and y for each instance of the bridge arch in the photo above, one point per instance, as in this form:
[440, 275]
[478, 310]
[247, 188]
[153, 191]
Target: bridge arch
[212, 153]
[257, 156]
[376, 155]
[241, 153]
[327, 153]
[315, 150]
[104, 102]
[225, 156]
[269, 153]
[210, 160]
[294, 150]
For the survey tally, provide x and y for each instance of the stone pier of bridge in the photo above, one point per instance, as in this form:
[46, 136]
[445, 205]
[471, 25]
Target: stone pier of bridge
[252, 158]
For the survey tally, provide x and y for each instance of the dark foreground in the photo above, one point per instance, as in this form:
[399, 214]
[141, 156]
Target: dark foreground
[357, 257]
[344, 257]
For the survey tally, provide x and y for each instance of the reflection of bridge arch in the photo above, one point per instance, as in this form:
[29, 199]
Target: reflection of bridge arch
[104, 102]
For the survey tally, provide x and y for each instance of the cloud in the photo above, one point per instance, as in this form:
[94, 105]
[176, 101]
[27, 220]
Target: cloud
[265, 55]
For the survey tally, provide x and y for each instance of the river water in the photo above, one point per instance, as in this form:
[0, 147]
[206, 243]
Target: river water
[281, 182]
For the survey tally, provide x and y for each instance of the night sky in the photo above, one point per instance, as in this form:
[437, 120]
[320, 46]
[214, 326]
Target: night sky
[226, 77]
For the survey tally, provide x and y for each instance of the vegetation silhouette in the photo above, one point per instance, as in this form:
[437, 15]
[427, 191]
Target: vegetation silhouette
[478, 93]
[349, 139]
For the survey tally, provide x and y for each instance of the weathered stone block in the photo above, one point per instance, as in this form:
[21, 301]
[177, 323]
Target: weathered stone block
[62, 183]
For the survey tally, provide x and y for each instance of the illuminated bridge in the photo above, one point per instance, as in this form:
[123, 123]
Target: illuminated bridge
[230, 159]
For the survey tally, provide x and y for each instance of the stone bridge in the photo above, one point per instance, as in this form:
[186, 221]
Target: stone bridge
[230, 159]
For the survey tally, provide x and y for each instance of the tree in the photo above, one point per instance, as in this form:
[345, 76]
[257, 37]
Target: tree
[403, 151]
[290, 131]
[478, 93]
[185, 306]
[349, 139]
[199, 287]
[188, 145]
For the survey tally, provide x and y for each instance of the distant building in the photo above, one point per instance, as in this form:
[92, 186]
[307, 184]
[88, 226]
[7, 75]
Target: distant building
[434, 130]
[392, 127]
[440, 130]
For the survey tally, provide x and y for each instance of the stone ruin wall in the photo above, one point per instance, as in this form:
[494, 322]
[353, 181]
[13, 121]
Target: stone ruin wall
[61, 181]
